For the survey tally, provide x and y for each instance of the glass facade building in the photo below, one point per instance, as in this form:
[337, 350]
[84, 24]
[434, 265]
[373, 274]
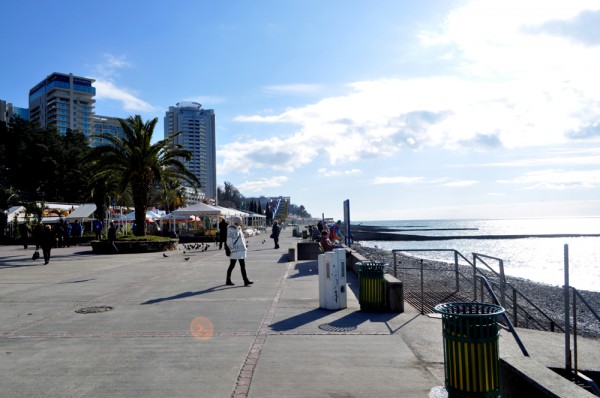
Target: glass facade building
[8, 111]
[105, 125]
[63, 101]
[197, 128]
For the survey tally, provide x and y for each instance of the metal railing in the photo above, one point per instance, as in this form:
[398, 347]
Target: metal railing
[517, 305]
[521, 309]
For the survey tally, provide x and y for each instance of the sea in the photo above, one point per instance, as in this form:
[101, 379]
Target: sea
[537, 259]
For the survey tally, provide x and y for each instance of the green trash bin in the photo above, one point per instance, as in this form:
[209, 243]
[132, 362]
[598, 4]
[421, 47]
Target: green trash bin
[470, 332]
[371, 287]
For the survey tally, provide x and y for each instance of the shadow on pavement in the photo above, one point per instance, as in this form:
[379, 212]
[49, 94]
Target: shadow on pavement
[310, 268]
[189, 294]
[299, 320]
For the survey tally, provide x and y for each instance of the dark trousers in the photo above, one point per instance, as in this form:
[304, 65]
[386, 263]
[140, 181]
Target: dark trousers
[46, 251]
[242, 268]
[113, 247]
[276, 242]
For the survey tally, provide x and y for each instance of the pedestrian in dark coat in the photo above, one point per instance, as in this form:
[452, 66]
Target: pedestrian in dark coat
[77, 232]
[222, 232]
[25, 231]
[112, 237]
[47, 242]
[275, 233]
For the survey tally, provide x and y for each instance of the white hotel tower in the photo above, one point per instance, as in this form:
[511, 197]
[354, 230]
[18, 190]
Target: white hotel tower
[197, 128]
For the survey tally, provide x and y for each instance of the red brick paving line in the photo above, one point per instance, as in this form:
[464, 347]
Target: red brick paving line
[242, 386]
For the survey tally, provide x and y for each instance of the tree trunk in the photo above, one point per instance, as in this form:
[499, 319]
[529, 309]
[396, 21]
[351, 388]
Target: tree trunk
[141, 194]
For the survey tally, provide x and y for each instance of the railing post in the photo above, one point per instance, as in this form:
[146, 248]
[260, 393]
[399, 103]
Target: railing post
[567, 316]
[574, 332]
[481, 289]
[456, 270]
[474, 277]
[502, 284]
[422, 291]
[394, 253]
[515, 308]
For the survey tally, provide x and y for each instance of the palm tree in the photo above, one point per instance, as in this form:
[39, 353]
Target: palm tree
[138, 164]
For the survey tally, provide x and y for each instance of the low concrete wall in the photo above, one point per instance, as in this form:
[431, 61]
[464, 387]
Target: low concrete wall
[394, 288]
[524, 377]
[307, 251]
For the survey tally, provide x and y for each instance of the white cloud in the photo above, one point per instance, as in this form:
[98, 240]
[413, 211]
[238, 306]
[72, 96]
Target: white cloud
[459, 184]
[397, 180]
[109, 69]
[512, 88]
[261, 184]
[558, 179]
[106, 90]
[297, 88]
[325, 172]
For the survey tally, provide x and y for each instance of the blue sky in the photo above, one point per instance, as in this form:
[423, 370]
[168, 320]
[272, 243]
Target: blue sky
[411, 110]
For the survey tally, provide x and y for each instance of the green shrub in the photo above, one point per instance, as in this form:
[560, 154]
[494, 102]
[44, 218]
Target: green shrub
[147, 238]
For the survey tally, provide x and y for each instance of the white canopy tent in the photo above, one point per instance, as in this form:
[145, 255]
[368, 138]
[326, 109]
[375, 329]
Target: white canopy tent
[226, 212]
[207, 217]
[15, 212]
[198, 209]
[83, 212]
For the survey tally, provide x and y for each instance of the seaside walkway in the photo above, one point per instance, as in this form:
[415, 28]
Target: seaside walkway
[175, 330]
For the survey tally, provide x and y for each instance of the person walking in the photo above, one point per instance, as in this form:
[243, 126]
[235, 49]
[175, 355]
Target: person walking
[275, 233]
[222, 232]
[237, 245]
[77, 232]
[25, 230]
[97, 227]
[112, 237]
[47, 242]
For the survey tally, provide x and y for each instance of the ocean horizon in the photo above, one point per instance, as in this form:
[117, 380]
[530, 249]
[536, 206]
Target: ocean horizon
[540, 259]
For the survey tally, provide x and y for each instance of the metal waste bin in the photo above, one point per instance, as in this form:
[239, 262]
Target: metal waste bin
[470, 332]
[371, 287]
[296, 231]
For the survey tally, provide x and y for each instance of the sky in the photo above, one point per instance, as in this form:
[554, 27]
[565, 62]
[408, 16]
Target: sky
[435, 109]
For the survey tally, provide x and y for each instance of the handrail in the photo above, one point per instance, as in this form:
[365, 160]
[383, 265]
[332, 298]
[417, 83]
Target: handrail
[500, 275]
[586, 303]
[552, 322]
[508, 322]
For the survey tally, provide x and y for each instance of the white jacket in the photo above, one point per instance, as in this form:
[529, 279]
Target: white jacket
[236, 242]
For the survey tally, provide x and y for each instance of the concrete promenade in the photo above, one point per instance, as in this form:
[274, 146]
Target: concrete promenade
[176, 330]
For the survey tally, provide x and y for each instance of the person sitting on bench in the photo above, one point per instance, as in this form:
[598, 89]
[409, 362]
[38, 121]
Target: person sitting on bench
[325, 242]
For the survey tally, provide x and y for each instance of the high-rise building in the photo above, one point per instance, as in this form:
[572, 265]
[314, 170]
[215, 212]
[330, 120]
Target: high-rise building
[63, 101]
[197, 128]
[105, 125]
[8, 111]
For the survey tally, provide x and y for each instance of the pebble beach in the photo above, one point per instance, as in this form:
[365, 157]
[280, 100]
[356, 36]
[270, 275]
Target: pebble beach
[548, 298]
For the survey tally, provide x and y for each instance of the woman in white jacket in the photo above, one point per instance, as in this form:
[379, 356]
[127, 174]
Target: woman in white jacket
[237, 245]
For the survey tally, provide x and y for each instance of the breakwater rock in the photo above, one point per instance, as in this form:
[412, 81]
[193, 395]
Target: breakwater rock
[366, 232]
